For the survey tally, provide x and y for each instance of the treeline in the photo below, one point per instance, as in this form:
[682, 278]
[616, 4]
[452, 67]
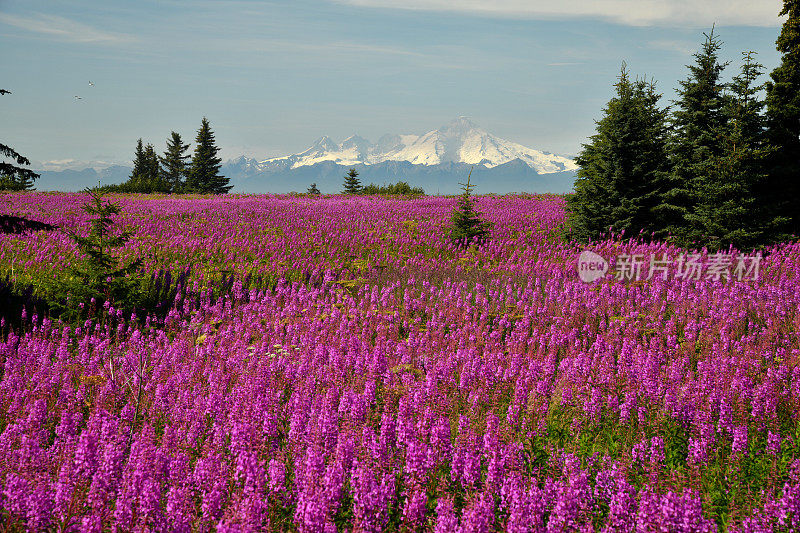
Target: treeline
[401, 188]
[175, 172]
[718, 168]
[352, 185]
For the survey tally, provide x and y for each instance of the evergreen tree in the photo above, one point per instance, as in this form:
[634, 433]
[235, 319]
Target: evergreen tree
[139, 162]
[466, 225]
[146, 175]
[781, 192]
[134, 181]
[696, 145]
[728, 210]
[352, 185]
[623, 169]
[203, 176]
[155, 179]
[13, 177]
[11, 183]
[102, 275]
[313, 190]
[173, 163]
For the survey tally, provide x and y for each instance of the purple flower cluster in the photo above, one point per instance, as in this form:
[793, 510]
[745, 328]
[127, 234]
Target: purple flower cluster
[387, 379]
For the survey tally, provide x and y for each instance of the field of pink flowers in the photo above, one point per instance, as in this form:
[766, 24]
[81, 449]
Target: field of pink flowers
[375, 377]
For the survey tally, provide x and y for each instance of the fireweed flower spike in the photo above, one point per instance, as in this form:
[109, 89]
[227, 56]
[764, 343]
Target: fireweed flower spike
[331, 364]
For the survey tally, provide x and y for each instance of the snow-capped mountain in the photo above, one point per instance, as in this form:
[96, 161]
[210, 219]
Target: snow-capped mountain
[437, 161]
[460, 141]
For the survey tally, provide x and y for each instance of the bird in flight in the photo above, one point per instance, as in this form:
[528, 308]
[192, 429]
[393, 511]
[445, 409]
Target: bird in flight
[78, 97]
[92, 84]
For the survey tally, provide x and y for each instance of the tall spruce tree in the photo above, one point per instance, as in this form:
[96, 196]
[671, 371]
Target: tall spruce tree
[173, 163]
[136, 181]
[781, 192]
[13, 177]
[622, 170]
[352, 185]
[466, 225]
[698, 124]
[139, 161]
[204, 176]
[728, 210]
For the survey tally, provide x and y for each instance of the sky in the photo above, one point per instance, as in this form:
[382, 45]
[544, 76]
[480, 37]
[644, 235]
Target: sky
[273, 76]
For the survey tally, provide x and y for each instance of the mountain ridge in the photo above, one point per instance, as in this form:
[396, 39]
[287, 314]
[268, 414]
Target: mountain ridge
[459, 141]
[444, 178]
[437, 161]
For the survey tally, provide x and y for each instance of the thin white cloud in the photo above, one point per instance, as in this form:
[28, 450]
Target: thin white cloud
[277, 45]
[57, 165]
[63, 29]
[693, 13]
[682, 47]
[367, 48]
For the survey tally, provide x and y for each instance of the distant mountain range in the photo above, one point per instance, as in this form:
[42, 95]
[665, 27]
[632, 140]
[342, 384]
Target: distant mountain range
[436, 161]
[76, 180]
[460, 141]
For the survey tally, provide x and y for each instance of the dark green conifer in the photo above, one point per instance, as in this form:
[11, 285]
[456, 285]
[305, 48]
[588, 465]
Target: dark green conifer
[728, 210]
[312, 190]
[102, 275]
[146, 174]
[623, 169]
[466, 225]
[16, 182]
[698, 124]
[12, 176]
[203, 176]
[139, 162]
[154, 179]
[352, 185]
[781, 192]
[173, 163]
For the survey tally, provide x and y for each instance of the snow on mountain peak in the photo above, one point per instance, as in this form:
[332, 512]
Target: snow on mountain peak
[459, 141]
[355, 140]
[459, 127]
[324, 144]
[359, 144]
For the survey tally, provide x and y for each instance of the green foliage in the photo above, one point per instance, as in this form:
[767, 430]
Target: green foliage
[728, 210]
[782, 188]
[466, 225]
[721, 174]
[173, 163]
[203, 176]
[312, 190]
[146, 176]
[13, 177]
[155, 174]
[401, 188]
[352, 185]
[728, 482]
[623, 168]
[696, 146]
[12, 183]
[101, 275]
